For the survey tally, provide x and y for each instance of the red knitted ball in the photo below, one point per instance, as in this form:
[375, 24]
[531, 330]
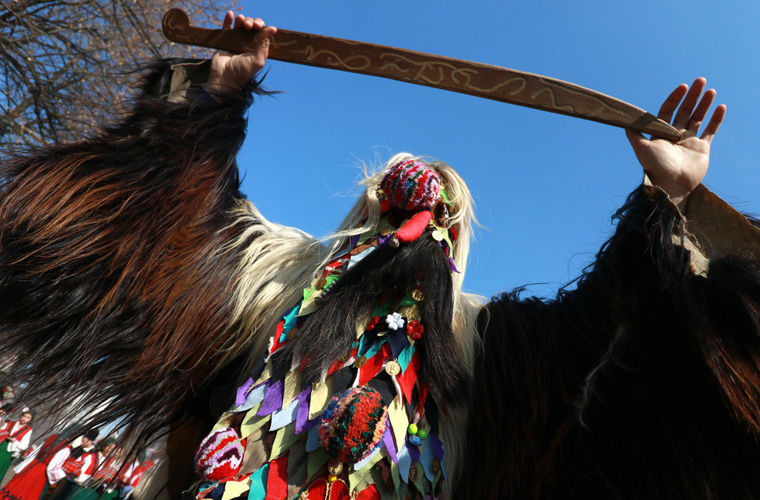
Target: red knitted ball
[353, 424]
[411, 185]
[219, 455]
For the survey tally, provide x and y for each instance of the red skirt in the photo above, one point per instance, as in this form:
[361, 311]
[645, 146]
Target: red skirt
[27, 484]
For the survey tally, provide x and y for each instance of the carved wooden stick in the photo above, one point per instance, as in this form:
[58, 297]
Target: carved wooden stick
[481, 80]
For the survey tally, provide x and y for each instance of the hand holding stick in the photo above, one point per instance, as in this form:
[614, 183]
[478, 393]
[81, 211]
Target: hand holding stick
[481, 80]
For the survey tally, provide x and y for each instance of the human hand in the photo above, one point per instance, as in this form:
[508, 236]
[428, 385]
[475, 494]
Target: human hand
[230, 72]
[679, 167]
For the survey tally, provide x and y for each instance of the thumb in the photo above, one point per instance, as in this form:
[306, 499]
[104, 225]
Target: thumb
[636, 139]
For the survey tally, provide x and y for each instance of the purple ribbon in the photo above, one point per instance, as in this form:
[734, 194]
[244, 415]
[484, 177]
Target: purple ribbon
[242, 391]
[354, 240]
[302, 417]
[437, 445]
[272, 400]
[390, 445]
[311, 423]
[452, 266]
[413, 452]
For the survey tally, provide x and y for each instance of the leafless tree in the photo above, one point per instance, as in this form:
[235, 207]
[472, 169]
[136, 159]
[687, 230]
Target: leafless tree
[66, 65]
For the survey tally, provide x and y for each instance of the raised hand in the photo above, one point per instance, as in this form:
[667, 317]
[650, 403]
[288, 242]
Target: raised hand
[679, 167]
[230, 72]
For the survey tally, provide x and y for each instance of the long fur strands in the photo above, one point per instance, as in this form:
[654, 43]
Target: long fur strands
[640, 383]
[387, 274]
[113, 283]
[135, 279]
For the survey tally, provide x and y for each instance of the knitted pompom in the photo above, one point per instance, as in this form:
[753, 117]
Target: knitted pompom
[411, 185]
[219, 455]
[353, 424]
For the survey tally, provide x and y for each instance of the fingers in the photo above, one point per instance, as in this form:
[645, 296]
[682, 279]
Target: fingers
[257, 56]
[229, 17]
[692, 110]
[695, 121]
[714, 125]
[243, 22]
[681, 120]
[671, 103]
[635, 138]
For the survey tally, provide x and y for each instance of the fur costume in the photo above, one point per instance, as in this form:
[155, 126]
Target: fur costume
[132, 268]
[642, 382]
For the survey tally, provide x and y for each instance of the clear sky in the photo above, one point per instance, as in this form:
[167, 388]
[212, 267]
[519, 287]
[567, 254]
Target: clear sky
[545, 185]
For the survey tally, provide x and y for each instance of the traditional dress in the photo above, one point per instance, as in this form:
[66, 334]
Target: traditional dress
[31, 482]
[15, 439]
[79, 466]
[366, 374]
[132, 476]
[103, 480]
[55, 472]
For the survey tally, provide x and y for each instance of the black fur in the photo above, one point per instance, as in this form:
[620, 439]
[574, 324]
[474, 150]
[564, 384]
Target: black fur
[640, 383]
[387, 274]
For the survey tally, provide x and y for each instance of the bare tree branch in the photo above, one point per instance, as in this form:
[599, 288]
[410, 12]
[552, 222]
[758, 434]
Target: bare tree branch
[65, 65]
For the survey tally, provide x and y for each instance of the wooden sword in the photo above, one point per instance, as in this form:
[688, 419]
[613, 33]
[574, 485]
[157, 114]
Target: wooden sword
[457, 75]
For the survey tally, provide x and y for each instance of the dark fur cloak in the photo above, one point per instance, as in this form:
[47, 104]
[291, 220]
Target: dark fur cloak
[643, 382]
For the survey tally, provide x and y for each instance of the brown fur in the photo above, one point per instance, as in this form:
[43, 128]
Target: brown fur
[111, 268]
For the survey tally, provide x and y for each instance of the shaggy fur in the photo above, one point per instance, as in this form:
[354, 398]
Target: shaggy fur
[387, 274]
[110, 246]
[641, 383]
[135, 279]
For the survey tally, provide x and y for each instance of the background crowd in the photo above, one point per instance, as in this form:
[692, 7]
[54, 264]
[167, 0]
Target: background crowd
[73, 464]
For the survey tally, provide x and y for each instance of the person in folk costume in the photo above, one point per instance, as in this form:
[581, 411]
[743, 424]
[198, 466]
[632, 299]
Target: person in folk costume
[105, 476]
[7, 394]
[132, 476]
[365, 369]
[31, 483]
[109, 477]
[15, 437]
[101, 471]
[72, 466]
[5, 408]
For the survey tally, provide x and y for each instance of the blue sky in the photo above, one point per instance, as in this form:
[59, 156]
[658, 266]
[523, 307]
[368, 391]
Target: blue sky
[545, 185]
